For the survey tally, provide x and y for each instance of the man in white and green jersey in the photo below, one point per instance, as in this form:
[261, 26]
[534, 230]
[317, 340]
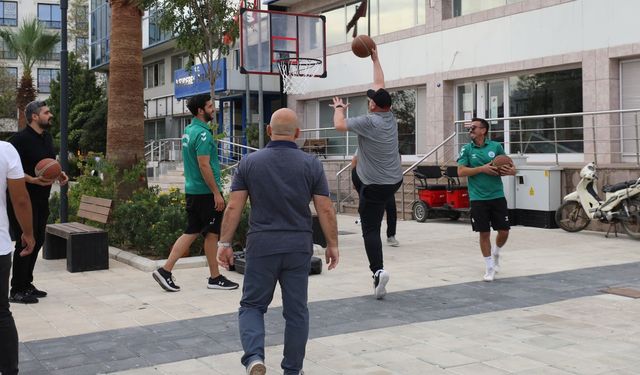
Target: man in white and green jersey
[486, 193]
[203, 190]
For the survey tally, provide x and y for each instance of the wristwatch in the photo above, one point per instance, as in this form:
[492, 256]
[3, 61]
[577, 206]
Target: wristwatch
[224, 244]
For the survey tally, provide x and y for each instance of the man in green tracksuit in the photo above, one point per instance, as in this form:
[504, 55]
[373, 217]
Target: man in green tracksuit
[486, 193]
[203, 190]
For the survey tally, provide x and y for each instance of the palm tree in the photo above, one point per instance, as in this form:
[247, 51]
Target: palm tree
[31, 43]
[125, 119]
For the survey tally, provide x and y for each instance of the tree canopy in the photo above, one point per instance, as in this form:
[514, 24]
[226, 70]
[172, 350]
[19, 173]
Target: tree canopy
[87, 109]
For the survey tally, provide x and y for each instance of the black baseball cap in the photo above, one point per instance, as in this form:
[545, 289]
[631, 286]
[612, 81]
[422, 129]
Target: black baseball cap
[380, 97]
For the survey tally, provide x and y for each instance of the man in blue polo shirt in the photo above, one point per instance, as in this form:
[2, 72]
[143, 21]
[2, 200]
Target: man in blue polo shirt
[486, 193]
[281, 180]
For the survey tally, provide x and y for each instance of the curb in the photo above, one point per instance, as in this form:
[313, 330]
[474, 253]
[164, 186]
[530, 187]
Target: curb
[149, 265]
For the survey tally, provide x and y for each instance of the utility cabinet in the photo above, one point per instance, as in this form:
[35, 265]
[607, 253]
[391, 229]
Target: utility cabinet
[537, 195]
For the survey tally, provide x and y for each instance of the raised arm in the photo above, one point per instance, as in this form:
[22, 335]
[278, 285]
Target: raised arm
[378, 74]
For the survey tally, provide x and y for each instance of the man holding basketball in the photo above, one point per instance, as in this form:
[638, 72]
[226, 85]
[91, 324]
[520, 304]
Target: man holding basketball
[33, 144]
[379, 172]
[486, 193]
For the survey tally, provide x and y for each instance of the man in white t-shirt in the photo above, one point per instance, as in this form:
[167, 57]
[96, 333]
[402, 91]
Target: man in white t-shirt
[11, 179]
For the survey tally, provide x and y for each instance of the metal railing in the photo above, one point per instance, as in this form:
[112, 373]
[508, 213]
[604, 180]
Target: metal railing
[614, 139]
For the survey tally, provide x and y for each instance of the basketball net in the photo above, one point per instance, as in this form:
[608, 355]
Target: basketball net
[297, 72]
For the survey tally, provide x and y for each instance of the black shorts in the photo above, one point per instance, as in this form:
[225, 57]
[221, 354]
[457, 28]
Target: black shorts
[492, 212]
[202, 216]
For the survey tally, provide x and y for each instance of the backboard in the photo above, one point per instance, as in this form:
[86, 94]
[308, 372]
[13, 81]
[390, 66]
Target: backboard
[267, 36]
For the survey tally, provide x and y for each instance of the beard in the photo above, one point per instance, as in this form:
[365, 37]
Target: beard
[44, 124]
[207, 117]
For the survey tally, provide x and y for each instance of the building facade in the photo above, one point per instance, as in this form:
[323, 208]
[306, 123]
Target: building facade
[164, 69]
[450, 60]
[13, 14]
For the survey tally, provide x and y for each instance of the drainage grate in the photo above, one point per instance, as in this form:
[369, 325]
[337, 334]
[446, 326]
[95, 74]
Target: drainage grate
[625, 292]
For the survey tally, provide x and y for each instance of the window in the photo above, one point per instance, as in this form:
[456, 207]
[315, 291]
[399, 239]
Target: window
[8, 13]
[155, 33]
[383, 17]
[81, 45]
[44, 79]
[49, 15]
[81, 18]
[54, 54]
[463, 7]
[541, 94]
[5, 53]
[154, 75]
[100, 26]
[12, 72]
[404, 108]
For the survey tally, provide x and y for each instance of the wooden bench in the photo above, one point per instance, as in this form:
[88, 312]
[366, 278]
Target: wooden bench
[85, 247]
[317, 146]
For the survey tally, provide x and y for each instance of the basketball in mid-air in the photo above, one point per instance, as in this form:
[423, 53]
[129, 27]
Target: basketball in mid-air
[48, 169]
[362, 46]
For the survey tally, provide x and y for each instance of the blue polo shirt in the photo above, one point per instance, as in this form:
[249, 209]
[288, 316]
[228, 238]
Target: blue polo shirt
[281, 181]
[482, 186]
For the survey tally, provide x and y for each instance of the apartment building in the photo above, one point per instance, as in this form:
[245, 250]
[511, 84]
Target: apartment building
[450, 60]
[12, 15]
[166, 114]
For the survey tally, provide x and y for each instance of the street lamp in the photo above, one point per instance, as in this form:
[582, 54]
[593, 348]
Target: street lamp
[64, 109]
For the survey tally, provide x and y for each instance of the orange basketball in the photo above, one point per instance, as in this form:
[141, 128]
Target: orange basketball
[362, 46]
[501, 160]
[49, 169]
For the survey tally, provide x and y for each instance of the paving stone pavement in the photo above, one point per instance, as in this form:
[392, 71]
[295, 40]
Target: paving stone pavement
[544, 314]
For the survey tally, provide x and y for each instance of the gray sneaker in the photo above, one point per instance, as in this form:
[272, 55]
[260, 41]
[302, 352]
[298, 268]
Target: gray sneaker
[256, 367]
[391, 241]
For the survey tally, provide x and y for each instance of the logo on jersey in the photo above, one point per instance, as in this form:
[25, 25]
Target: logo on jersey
[492, 154]
[203, 136]
[185, 140]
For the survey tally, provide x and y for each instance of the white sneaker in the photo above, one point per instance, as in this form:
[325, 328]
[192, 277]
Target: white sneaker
[490, 274]
[391, 241]
[496, 261]
[380, 280]
[256, 367]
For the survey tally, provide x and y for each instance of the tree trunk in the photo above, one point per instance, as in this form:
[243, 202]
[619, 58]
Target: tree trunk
[125, 118]
[25, 95]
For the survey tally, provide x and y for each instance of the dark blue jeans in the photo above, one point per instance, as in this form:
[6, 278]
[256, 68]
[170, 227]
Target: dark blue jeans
[261, 274]
[373, 199]
[8, 332]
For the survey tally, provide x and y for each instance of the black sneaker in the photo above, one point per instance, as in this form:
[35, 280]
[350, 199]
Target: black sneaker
[165, 279]
[221, 282]
[22, 297]
[380, 280]
[31, 289]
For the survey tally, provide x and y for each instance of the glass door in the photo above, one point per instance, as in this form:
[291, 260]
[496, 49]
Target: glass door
[496, 106]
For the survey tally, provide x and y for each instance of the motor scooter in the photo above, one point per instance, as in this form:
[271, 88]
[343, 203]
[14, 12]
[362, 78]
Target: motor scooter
[621, 204]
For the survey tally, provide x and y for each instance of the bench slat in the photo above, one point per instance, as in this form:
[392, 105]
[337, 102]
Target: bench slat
[97, 201]
[93, 216]
[93, 208]
[66, 229]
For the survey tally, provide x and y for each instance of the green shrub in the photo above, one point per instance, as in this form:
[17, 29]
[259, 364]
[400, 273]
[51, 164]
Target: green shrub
[149, 222]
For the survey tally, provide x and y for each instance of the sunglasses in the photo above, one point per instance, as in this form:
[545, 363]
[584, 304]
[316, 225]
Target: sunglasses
[473, 127]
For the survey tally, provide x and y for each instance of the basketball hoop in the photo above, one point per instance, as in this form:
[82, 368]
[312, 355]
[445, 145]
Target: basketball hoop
[296, 73]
